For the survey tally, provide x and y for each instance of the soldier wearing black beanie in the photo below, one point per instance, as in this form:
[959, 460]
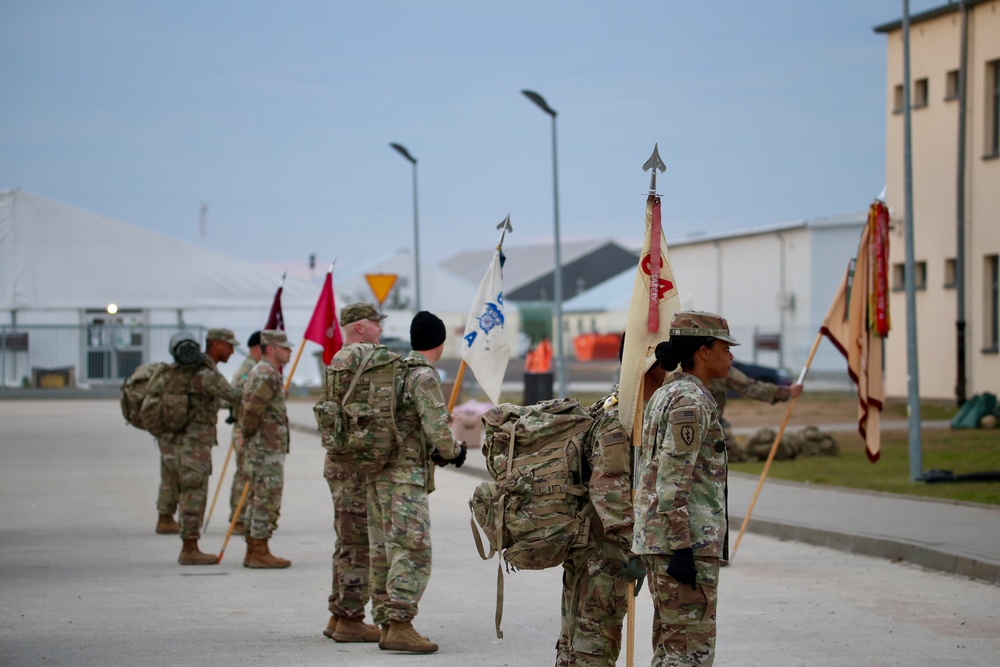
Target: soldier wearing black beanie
[426, 331]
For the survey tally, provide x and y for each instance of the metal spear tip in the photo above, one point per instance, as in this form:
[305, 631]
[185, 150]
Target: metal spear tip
[654, 161]
[505, 225]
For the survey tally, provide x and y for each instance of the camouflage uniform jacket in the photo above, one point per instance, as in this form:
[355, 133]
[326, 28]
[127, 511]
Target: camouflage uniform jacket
[607, 460]
[745, 386]
[681, 497]
[263, 417]
[242, 373]
[422, 420]
[209, 391]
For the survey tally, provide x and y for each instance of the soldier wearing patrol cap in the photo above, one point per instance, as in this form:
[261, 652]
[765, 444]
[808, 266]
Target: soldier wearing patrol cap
[263, 426]
[361, 325]
[681, 527]
[208, 392]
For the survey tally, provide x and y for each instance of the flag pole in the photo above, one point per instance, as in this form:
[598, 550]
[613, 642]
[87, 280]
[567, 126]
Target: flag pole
[774, 448]
[236, 517]
[222, 476]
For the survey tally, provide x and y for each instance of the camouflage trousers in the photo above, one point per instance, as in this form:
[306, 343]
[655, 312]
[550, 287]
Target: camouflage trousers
[349, 590]
[239, 477]
[399, 529]
[266, 472]
[193, 468]
[170, 480]
[683, 619]
[594, 602]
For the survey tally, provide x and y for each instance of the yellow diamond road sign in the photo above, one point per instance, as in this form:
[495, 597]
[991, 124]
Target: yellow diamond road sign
[381, 284]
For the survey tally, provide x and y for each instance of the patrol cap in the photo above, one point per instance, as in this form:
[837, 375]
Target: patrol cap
[274, 337]
[225, 335]
[700, 323]
[359, 311]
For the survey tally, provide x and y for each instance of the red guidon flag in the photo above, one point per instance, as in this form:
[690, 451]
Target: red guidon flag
[654, 300]
[323, 328]
[858, 320]
[275, 318]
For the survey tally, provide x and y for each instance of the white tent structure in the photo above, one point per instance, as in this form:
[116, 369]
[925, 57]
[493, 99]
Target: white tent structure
[61, 268]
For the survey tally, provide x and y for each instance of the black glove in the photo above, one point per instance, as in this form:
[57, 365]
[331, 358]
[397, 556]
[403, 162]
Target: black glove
[460, 459]
[230, 419]
[634, 571]
[681, 567]
[438, 459]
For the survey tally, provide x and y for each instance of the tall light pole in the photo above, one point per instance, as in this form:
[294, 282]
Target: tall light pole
[560, 366]
[416, 233]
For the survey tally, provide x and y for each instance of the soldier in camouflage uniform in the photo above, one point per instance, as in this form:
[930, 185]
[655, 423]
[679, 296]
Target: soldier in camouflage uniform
[595, 577]
[192, 446]
[264, 427]
[398, 512]
[239, 475]
[681, 527]
[361, 324]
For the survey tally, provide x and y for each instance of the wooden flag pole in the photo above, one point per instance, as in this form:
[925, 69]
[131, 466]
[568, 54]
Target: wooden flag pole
[458, 386]
[236, 517]
[288, 380]
[774, 449]
[222, 475]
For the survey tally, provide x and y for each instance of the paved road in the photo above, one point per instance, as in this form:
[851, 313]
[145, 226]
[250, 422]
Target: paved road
[85, 581]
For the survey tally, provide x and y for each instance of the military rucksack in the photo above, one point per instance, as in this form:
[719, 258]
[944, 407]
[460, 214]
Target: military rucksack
[165, 408]
[134, 391]
[534, 512]
[357, 423]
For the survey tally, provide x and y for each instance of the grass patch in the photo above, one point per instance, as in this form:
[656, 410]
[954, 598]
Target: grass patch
[962, 452]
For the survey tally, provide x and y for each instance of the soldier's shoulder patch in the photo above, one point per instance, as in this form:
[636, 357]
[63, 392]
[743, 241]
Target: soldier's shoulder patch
[685, 429]
[684, 415]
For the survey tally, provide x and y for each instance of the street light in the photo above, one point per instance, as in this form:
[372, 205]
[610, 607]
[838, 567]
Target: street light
[560, 367]
[416, 235]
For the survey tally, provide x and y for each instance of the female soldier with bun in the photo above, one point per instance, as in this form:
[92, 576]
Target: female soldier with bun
[680, 504]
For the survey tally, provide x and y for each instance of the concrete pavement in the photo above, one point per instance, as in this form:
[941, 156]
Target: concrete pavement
[85, 581]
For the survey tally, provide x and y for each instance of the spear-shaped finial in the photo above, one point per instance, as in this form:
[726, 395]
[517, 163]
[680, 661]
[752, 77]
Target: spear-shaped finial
[654, 162]
[505, 227]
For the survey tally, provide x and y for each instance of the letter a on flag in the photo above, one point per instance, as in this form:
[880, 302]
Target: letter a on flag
[654, 300]
[484, 345]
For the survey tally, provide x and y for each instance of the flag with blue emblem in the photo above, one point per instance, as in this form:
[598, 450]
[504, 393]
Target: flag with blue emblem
[485, 348]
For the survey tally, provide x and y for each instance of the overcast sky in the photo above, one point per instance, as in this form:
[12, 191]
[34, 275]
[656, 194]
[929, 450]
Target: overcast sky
[279, 116]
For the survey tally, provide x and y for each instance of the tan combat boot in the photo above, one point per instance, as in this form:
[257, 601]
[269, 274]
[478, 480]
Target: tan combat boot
[261, 557]
[331, 627]
[166, 525]
[191, 556]
[355, 631]
[402, 637]
[249, 554]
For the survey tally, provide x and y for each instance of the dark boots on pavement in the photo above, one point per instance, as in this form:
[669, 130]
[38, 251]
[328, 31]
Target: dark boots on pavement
[166, 525]
[402, 637]
[353, 630]
[191, 556]
[261, 557]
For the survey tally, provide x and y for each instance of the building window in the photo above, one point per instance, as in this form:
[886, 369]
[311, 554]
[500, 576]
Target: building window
[992, 109]
[920, 93]
[951, 86]
[897, 99]
[919, 276]
[991, 311]
[949, 273]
